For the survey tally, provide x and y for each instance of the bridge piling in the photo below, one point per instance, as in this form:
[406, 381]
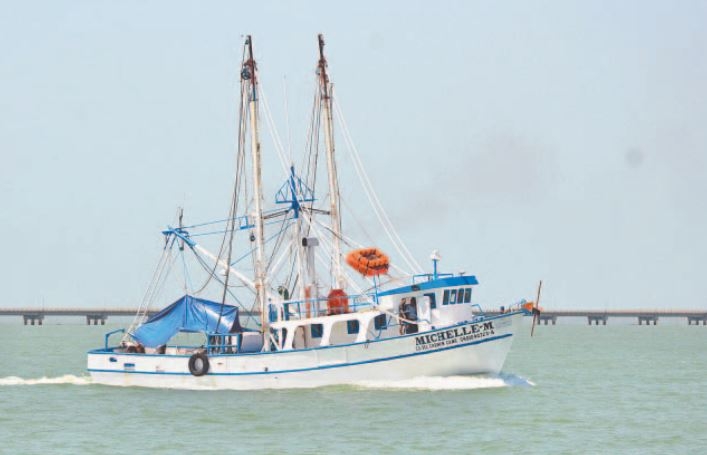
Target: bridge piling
[95, 318]
[33, 318]
[648, 319]
[597, 318]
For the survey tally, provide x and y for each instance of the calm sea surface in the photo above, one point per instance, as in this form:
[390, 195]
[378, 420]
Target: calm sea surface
[571, 389]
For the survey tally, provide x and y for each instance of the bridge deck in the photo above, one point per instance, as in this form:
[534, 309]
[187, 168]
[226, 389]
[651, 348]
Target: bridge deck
[82, 312]
[96, 315]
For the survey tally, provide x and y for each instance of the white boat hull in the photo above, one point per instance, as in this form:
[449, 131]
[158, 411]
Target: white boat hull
[469, 348]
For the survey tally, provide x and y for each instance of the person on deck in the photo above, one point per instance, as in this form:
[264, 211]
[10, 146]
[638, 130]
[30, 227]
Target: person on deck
[408, 311]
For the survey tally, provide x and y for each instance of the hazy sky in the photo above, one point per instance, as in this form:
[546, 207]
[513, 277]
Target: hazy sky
[560, 140]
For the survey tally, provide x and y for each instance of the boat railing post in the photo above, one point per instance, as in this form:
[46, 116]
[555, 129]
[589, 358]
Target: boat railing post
[111, 333]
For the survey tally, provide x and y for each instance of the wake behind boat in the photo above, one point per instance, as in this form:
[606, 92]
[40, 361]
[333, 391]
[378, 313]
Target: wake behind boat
[315, 316]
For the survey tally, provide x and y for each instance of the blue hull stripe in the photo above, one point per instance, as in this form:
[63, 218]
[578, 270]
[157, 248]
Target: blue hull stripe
[323, 367]
[334, 346]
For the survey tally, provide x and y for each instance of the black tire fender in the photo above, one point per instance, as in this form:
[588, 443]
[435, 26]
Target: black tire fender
[199, 364]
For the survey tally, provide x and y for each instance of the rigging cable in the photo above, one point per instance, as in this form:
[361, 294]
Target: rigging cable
[164, 264]
[279, 148]
[373, 198]
[236, 186]
[240, 164]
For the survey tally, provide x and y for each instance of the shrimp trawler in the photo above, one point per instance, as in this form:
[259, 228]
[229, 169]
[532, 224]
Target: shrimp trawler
[289, 300]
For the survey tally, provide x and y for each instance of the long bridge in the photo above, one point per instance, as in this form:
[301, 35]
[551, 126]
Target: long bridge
[646, 316]
[94, 316]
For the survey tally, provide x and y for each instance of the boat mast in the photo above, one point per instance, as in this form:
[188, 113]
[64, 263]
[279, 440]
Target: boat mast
[249, 76]
[326, 88]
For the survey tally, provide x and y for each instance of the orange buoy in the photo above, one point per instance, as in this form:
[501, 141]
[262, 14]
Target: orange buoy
[368, 261]
[337, 302]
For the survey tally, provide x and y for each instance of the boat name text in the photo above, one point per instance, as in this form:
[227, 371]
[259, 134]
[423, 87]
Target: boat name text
[454, 336]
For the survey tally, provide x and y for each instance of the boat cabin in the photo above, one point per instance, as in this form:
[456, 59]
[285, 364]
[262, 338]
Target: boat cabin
[409, 309]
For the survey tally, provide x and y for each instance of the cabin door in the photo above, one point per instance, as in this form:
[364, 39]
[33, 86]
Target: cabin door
[424, 312]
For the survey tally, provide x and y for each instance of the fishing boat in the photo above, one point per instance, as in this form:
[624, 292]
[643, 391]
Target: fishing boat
[291, 301]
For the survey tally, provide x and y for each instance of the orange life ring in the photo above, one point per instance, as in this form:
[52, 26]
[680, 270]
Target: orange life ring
[368, 261]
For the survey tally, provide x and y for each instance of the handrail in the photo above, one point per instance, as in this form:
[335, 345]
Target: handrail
[222, 346]
[294, 309]
[430, 276]
[325, 299]
[478, 307]
[208, 346]
[111, 333]
[519, 306]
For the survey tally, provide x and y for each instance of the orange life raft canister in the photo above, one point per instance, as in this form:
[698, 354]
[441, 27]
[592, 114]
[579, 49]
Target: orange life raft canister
[368, 261]
[337, 302]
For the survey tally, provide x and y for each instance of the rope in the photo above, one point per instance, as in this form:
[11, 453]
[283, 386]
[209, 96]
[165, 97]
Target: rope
[279, 148]
[187, 279]
[164, 264]
[373, 198]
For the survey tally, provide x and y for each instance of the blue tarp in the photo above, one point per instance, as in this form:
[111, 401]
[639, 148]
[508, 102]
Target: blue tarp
[188, 314]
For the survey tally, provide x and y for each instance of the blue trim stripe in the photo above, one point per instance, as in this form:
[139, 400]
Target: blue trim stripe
[323, 367]
[333, 346]
[464, 280]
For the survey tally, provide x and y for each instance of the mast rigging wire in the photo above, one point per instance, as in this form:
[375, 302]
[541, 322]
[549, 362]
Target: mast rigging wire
[373, 198]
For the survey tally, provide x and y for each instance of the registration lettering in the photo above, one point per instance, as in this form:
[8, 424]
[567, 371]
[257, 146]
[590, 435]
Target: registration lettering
[457, 335]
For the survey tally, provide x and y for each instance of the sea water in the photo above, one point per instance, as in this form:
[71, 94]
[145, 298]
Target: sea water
[569, 389]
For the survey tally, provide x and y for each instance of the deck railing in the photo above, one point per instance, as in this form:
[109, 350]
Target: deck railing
[312, 308]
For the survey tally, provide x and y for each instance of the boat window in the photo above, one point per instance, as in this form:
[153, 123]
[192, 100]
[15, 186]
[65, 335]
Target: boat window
[445, 300]
[352, 327]
[433, 302]
[467, 295]
[317, 330]
[453, 296]
[379, 322]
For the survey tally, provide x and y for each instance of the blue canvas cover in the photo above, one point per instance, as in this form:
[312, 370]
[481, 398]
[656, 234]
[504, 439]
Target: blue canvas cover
[188, 314]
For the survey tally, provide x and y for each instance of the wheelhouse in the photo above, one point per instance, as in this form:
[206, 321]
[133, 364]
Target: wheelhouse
[436, 303]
